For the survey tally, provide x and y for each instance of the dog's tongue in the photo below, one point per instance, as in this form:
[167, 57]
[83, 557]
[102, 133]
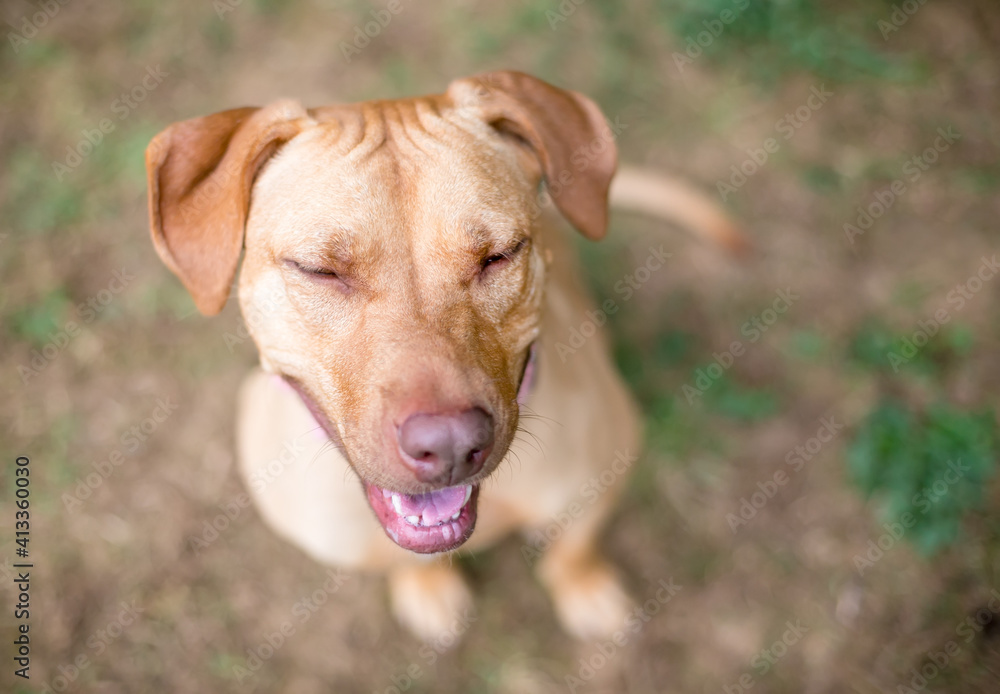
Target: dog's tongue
[433, 507]
[426, 523]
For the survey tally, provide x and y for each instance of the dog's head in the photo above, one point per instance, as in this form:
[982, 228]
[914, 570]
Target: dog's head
[392, 273]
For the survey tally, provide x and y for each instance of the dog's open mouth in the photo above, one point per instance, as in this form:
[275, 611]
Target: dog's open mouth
[436, 521]
[429, 522]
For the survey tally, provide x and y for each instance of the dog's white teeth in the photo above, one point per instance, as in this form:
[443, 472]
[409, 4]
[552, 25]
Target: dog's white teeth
[468, 494]
[457, 514]
[397, 503]
[413, 520]
[446, 532]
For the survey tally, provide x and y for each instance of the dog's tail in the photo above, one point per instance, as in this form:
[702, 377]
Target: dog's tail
[641, 190]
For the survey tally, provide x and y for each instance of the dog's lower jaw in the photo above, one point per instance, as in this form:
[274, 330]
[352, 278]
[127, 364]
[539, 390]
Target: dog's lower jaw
[416, 533]
[421, 528]
[430, 523]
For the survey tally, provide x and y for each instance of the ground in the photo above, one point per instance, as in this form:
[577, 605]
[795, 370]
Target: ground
[856, 144]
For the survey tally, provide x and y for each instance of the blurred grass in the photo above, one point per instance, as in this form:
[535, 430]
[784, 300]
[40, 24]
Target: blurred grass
[873, 342]
[907, 459]
[34, 323]
[36, 202]
[771, 38]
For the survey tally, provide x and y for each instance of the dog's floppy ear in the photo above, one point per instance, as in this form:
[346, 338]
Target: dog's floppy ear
[200, 173]
[566, 130]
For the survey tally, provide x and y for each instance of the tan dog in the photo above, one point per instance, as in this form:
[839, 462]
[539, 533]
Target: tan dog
[407, 293]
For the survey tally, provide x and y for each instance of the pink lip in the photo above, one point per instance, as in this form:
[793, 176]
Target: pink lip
[446, 518]
[527, 384]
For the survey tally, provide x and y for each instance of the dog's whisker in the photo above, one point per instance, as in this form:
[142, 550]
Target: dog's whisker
[528, 432]
[311, 430]
[350, 472]
[530, 415]
[516, 458]
[533, 437]
[507, 464]
[512, 449]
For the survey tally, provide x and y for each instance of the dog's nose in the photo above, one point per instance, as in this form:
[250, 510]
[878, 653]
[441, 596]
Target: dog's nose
[446, 448]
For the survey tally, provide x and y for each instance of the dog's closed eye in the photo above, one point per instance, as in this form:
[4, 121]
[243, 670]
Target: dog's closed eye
[497, 260]
[310, 269]
[318, 273]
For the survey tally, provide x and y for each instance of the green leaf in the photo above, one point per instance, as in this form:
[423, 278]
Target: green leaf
[933, 465]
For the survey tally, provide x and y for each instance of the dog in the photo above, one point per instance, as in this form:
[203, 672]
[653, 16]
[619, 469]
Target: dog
[410, 293]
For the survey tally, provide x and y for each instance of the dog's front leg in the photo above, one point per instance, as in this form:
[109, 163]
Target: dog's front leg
[432, 600]
[585, 590]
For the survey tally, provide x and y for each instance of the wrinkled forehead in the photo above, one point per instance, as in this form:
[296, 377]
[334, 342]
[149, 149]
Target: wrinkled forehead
[399, 167]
